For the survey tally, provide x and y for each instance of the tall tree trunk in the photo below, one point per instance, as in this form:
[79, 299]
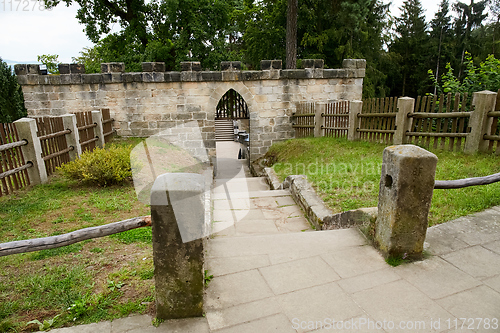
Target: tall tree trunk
[438, 58]
[291, 34]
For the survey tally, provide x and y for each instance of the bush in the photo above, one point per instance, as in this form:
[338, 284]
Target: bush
[101, 167]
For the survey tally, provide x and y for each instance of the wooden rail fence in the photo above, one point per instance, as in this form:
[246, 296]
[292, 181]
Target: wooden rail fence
[13, 174]
[52, 136]
[86, 126]
[441, 121]
[444, 121]
[377, 121]
[52, 142]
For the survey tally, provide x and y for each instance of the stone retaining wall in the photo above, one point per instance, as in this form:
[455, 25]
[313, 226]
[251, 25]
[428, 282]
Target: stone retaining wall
[146, 103]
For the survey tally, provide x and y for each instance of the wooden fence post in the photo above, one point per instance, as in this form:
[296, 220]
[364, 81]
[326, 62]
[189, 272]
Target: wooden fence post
[319, 119]
[483, 102]
[73, 138]
[355, 108]
[32, 152]
[406, 106]
[99, 132]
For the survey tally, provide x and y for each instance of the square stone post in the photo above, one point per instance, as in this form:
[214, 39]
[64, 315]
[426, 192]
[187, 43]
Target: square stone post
[319, 120]
[73, 138]
[98, 131]
[406, 187]
[404, 123]
[32, 152]
[355, 108]
[178, 215]
[483, 102]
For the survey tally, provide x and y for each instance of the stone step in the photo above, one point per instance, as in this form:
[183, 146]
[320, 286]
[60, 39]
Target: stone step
[251, 194]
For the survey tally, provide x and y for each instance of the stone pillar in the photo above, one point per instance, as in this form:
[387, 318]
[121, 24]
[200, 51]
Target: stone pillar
[319, 120]
[32, 152]
[73, 138]
[483, 102]
[355, 108]
[178, 214]
[98, 130]
[403, 122]
[406, 187]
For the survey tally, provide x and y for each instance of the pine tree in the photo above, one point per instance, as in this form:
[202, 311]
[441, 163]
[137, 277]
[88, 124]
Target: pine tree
[441, 36]
[11, 95]
[411, 48]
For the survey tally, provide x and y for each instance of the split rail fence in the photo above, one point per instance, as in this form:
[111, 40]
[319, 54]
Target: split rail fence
[453, 121]
[32, 148]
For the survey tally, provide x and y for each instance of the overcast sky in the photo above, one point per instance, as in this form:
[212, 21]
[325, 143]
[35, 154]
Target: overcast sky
[28, 31]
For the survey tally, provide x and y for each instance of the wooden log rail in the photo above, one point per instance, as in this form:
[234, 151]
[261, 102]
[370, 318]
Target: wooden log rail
[87, 126]
[439, 115]
[54, 135]
[380, 115]
[461, 183]
[45, 243]
[439, 135]
[16, 170]
[59, 153]
[12, 145]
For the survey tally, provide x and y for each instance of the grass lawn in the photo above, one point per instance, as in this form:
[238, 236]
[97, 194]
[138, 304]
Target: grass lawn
[94, 280]
[347, 174]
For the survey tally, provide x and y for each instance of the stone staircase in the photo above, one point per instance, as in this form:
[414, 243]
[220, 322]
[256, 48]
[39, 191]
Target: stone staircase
[245, 206]
[224, 130]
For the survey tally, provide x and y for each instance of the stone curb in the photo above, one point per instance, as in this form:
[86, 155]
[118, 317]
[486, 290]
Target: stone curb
[272, 179]
[321, 216]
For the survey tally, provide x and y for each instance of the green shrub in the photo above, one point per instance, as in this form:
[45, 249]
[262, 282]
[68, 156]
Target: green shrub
[103, 166]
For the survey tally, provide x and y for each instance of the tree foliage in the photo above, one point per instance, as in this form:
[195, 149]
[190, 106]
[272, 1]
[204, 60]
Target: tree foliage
[11, 95]
[486, 76]
[399, 50]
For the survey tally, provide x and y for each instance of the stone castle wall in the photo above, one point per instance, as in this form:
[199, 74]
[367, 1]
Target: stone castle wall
[143, 104]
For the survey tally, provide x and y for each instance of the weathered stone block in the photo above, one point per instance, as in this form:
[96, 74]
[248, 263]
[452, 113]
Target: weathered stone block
[313, 63]
[190, 66]
[211, 76]
[293, 74]
[406, 187]
[276, 64]
[77, 68]
[251, 75]
[33, 69]
[265, 65]
[153, 66]
[64, 69]
[230, 65]
[20, 69]
[91, 78]
[113, 67]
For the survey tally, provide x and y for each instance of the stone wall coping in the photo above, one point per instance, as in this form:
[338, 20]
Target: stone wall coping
[27, 77]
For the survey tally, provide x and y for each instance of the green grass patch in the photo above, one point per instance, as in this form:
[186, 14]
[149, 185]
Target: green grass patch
[42, 285]
[138, 235]
[43, 254]
[347, 175]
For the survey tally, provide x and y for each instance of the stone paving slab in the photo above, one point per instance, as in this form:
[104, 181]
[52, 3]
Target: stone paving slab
[141, 324]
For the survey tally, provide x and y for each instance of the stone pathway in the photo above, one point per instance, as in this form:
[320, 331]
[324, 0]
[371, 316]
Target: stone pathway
[269, 276]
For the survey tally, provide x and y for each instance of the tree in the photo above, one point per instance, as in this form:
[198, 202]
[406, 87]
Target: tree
[441, 38]
[51, 61]
[98, 15]
[291, 34]
[411, 46]
[11, 95]
[469, 17]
